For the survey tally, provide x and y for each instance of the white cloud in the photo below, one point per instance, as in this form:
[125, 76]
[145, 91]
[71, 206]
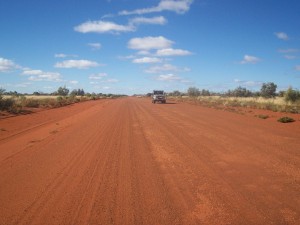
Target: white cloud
[39, 75]
[288, 53]
[95, 46]
[159, 20]
[297, 67]
[172, 52]
[127, 57]
[165, 68]
[102, 87]
[248, 83]
[143, 53]
[178, 6]
[102, 27]
[7, 65]
[147, 60]
[32, 72]
[282, 36]
[46, 77]
[148, 43]
[62, 55]
[250, 60]
[98, 76]
[74, 81]
[168, 77]
[290, 57]
[111, 80]
[289, 50]
[79, 64]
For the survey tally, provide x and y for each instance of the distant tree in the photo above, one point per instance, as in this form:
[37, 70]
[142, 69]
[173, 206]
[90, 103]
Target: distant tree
[13, 93]
[241, 92]
[81, 92]
[36, 93]
[256, 94]
[268, 90]
[77, 92]
[73, 92]
[63, 91]
[291, 95]
[2, 91]
[176, 93]
[205, 92]
[281, 93]
[193, 92]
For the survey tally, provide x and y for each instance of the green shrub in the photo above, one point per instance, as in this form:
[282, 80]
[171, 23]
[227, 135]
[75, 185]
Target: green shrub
[60, 100]
[32, 103]
[52, 103]
[285, 119]
[268, 90]
[7, 104]
[291, 95]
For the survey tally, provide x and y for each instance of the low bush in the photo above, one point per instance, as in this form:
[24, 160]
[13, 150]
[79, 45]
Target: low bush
[286, 120]
[291, 95]
[7, 103]
[32, 103]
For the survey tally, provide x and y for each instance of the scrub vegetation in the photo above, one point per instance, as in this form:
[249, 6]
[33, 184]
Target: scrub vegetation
[267, 98]
[14, 102]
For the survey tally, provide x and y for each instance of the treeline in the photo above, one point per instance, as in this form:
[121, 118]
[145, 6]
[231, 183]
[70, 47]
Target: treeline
[268, 90]
[61, 91]
[16, 102]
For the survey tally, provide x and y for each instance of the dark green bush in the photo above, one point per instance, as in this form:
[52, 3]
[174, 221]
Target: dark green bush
[32, 103]
[285, 119]
[291, 95]
[6, 103]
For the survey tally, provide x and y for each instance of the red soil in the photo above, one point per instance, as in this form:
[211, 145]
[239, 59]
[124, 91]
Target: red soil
[128, 161]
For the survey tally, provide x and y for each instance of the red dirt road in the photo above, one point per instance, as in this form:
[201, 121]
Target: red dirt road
[128, 161]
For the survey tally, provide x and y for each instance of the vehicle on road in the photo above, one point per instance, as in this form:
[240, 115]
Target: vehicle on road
[159, 96]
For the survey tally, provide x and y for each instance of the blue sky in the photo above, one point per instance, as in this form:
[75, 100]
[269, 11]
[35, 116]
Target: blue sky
[135, 46]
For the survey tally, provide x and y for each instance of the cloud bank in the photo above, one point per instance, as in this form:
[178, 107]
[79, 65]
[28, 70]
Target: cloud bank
[78, 64]
[177, 6]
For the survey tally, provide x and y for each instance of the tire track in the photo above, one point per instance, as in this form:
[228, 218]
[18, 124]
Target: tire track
[196, 176]
[36, 208]
[85, 206]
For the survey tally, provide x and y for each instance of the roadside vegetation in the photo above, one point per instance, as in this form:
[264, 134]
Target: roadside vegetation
[286, 120]
[267, 98]
[14, 102]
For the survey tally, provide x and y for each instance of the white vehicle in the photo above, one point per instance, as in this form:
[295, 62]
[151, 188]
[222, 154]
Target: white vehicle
[159, 96]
